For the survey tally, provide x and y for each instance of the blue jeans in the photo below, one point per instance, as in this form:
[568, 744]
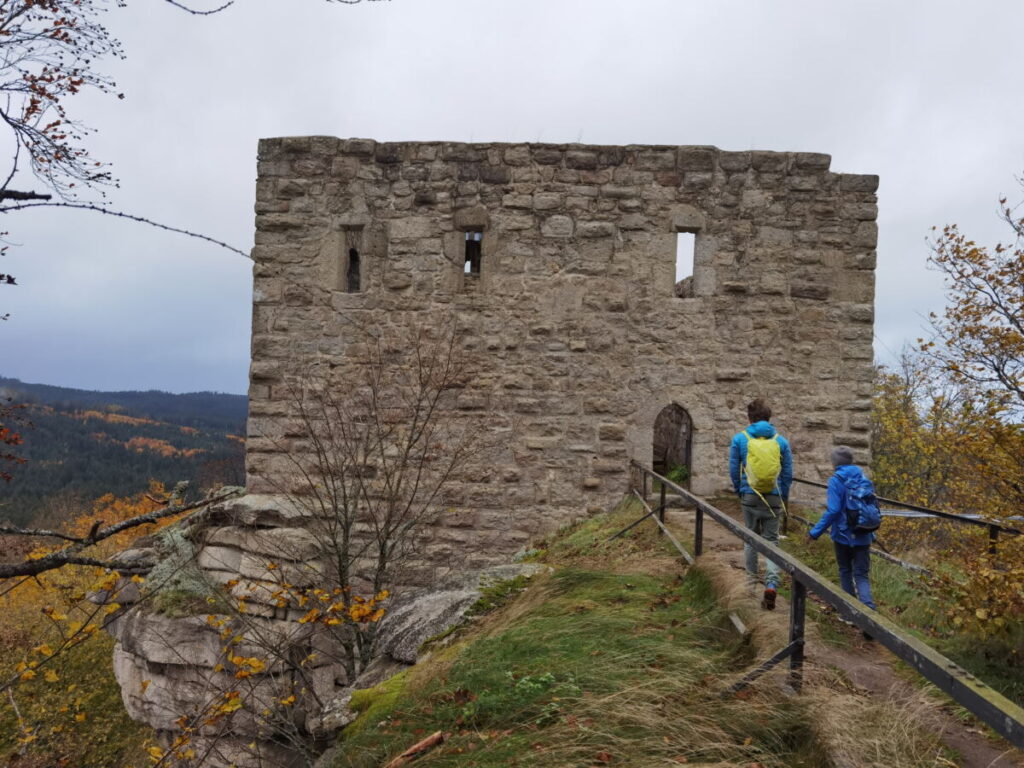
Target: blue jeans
[854, 564]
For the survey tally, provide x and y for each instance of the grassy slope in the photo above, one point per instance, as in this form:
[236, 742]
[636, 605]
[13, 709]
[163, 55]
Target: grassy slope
[615, 659]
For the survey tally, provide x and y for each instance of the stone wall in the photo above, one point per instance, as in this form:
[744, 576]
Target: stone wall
[573, 320]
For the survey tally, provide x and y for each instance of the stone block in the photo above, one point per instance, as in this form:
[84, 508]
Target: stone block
[517, 155]
[409, 227]
[813, 291]
[860, 211]
[490, 174]
[547, 155]
[547, 201]
[595, 229]
[812, 161]
[581, 160]
[734, 161]
[696, 158]
[861, 313]
[557, 226]
[611, 431]
[474, 218]
[852, 182]
[803, 183]
[771, 162]
[852, 439]
[866, 260]
[866, 235]
[686, 218]
[656, 161]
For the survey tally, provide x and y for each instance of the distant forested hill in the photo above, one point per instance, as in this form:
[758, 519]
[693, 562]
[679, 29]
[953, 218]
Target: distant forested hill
[81, 445]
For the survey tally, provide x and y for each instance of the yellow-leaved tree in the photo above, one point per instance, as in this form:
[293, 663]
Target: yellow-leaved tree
[948, 431]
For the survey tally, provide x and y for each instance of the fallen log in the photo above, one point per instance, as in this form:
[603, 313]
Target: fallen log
[421, 746]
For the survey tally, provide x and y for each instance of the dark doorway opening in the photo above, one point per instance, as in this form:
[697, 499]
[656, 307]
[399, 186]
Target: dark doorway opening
[673, 439]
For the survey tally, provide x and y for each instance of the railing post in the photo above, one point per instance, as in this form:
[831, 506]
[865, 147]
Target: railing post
[661, 509]
[993, 537]
[698, 532]
[797, 610]
[645, 484]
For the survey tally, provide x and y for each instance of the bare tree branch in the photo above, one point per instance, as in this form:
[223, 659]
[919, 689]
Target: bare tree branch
[70, 555]
[195, 12]
[122, 215]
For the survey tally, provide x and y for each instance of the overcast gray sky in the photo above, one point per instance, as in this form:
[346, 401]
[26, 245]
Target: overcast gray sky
[925, 94]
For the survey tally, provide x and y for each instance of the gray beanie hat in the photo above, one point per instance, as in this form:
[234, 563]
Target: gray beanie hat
[841, 455]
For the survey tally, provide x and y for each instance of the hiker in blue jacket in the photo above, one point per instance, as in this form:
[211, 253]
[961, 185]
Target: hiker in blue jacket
[853, 550]
[762, 510]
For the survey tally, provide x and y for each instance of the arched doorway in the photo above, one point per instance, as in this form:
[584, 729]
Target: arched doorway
[673, 433]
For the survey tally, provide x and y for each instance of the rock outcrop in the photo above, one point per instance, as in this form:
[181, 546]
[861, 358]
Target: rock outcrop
[190, 664]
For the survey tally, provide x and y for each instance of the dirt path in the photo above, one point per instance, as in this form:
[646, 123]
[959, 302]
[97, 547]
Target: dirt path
[867, 666]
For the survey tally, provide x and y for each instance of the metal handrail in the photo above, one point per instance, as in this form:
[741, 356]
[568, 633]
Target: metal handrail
[969, 520]
[989, 706]
[994, 528]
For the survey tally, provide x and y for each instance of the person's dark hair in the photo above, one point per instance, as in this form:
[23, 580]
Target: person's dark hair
[758, 410]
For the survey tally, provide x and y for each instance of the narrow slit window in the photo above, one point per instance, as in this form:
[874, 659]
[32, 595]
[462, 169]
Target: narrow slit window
[473, 253]
[685, 243]
[352, 273]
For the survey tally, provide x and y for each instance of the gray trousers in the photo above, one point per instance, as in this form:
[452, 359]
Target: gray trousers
[764, 521]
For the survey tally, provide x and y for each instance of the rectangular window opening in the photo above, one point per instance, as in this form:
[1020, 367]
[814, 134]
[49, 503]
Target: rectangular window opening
[352, 273]
[685, 245]
[473, 253]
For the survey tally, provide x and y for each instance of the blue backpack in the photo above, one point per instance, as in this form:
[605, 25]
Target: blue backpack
[862, 512]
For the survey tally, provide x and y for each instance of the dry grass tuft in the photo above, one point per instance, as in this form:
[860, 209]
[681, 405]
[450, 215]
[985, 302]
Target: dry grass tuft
[860, 731]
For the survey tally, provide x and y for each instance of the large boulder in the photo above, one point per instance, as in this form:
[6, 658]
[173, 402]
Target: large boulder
[424, 613]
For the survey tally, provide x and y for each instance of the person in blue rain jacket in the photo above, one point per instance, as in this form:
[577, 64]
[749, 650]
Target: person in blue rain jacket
[853, 551]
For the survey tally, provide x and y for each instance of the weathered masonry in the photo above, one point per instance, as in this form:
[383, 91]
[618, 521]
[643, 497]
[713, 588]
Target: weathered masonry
[559, 264]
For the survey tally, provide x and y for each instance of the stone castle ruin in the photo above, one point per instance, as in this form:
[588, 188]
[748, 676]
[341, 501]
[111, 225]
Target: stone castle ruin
[557, 266]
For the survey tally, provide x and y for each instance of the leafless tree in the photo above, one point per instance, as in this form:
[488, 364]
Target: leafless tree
[369, 447]
[366, 453]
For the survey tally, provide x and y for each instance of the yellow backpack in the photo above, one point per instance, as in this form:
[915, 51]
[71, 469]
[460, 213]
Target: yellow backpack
[764, 463]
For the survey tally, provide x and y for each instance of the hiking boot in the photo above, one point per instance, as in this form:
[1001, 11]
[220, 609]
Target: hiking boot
[866, 636]
[768, 600]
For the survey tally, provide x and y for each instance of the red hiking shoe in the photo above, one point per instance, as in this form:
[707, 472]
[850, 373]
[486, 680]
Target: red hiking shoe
[768, 601]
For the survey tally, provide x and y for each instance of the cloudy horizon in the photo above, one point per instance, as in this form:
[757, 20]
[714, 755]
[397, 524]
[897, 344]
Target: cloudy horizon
[919, 93]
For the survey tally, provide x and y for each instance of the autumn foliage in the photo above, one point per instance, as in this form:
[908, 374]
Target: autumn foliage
[61, 705]
[948, 433]
[11, 414]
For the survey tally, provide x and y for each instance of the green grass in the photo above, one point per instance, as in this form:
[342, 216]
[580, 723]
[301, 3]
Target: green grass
[608, 665]
[587, 542]
[497, 595]
[617, 656]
